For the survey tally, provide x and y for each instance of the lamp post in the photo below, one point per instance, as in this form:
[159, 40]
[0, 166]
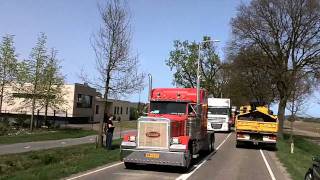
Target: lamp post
[198, 71]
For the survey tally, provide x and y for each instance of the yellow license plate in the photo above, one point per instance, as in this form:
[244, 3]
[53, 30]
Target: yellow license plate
[152, 155]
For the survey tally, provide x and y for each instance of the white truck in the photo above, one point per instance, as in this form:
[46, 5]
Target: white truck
[219, 114]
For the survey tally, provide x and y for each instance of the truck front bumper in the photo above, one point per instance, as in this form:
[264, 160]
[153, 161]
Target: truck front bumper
[162, 157]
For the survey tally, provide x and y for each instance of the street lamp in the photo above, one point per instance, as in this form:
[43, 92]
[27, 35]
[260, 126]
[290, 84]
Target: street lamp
[198, 70]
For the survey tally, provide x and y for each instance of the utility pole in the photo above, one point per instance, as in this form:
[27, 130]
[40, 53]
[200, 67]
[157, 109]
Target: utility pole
[198, 71]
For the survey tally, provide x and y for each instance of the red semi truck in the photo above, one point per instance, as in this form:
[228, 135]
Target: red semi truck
[173, 132]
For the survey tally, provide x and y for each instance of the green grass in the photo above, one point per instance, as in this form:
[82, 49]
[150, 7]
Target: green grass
[56, 163]
[298, 163]
[44, 135]
[126, 125]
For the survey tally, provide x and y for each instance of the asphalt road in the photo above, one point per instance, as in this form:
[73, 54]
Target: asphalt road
[228, 162]
[40, 145]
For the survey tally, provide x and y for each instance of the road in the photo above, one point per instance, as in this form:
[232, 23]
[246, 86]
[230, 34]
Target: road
[40, 145]
[226, 163]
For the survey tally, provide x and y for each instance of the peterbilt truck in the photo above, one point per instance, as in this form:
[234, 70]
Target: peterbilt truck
[219, 116]
[173, 132]
[256, 124]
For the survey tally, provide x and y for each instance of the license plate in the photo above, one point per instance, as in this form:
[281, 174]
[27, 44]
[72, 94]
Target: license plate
[152, 155]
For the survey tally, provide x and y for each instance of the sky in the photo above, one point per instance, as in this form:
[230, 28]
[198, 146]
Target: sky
[69, 25]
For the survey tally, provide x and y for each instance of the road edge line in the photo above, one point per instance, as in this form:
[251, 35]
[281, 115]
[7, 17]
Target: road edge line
[268, 166]
[94, 171]
[187, 175]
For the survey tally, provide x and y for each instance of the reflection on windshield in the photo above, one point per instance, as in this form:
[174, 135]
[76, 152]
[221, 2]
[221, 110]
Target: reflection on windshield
[218, 111]
[168, 107]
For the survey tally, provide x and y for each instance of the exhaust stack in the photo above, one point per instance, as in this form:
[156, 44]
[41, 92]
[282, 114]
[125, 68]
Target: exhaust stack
[150, 86]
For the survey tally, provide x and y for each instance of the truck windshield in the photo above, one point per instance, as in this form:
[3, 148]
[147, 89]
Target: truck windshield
[168, 107]
[218, 111]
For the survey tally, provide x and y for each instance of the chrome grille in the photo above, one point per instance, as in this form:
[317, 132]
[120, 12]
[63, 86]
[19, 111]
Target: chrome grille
[217, 119]
[153, 134]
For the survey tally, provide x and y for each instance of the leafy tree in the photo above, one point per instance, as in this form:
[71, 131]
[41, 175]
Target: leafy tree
[118, 70]
[31, 76]
[184, 59]
[52, 82]
[8, 70]
[287, 31]
[249, 79]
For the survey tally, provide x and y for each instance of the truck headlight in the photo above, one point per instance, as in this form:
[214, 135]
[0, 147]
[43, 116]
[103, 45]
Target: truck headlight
[132, 138]
[175, 140]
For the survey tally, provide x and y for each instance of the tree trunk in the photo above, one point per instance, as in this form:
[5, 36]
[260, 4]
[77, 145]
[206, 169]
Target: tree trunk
[281, 115]
[1, 97]
[100, 135]
[46, 114]
[32, 114]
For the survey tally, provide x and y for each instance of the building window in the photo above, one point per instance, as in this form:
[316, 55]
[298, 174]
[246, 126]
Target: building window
[121, 110]
[97, 109]
[127, 110]
[115, 110]
[84, 101]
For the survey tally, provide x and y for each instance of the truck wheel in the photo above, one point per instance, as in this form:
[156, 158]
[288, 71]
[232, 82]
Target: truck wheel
[238, 144]
[187, 167]
[273, 147]
[129, 165]
[309, 175]
[211, 143]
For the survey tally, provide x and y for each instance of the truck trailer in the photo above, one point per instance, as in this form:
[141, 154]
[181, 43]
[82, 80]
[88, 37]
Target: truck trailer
[173, 132]
[256, 124]
[219, 115]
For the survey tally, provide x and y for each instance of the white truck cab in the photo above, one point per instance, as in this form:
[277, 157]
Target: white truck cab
[218, 114]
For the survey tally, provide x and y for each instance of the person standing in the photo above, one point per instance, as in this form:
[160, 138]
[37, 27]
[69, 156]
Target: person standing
[109, 128]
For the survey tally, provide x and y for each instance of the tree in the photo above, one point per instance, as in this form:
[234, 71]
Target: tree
[52, 82]
[8, 70]
[183, 60]
[288, 32]
[32, 74]
[297, 101]
[249, 79]
[118, 70]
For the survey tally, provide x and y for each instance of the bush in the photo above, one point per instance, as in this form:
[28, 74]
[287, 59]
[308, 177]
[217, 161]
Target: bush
[4, 129]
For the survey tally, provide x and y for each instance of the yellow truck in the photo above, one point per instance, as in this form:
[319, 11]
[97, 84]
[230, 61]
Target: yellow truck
[256, 124]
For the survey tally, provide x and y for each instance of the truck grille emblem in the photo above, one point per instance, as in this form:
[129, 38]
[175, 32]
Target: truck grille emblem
[153, 134]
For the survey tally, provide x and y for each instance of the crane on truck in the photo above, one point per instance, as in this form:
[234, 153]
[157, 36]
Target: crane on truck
[173, 132]
[256, 124]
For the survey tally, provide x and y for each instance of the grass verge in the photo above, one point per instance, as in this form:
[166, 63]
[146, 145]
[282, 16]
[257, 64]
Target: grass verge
[298, 163]
[125, 125]
[56, 163]
[44, 135]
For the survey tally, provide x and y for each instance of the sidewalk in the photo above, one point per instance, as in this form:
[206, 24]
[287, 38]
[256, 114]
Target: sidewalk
[34, 146]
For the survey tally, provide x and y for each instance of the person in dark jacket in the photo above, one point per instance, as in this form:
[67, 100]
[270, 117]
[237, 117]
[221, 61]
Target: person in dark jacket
[109, 128]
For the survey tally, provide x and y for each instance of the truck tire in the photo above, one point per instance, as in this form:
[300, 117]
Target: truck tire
[187, 167]
[212, 140]
[273, 147]
[129, 165]
[309, 175]
[238, 144]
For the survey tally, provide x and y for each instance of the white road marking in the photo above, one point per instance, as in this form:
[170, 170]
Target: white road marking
[97, 170]
[63, 142]
[27, 147]
[268, 166]
[187, 175]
